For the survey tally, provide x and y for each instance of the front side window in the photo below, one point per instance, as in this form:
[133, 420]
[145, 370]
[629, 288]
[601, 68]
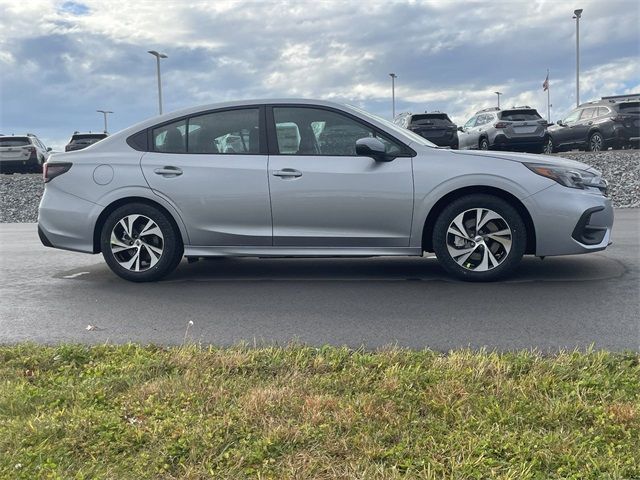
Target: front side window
[470, 122]
[230, 131]
[573, 116]
[170, 138]
[315, 131]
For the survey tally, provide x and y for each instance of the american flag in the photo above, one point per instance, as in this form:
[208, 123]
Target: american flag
[545, 85]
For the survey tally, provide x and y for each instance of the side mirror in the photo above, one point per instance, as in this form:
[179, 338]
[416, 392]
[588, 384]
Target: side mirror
[461, 129]
[374, 148]
[559, 122]
[49, 149]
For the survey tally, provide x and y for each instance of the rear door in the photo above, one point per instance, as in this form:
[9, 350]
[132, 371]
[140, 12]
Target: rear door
[213, 168]
[323, 194]
[580, 131]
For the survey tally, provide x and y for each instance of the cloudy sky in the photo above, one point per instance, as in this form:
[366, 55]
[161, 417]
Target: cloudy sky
[62, 60]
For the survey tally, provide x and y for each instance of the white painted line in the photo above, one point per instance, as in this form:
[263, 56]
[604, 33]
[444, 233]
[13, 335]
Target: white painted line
[74, 275]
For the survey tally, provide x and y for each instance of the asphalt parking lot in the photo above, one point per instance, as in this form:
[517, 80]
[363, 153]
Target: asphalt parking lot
[51, 296]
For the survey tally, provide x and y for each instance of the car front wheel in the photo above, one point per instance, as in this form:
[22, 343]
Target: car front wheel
[140, 244]
[479, 237]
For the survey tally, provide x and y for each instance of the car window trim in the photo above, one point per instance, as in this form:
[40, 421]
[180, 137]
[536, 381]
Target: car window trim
[272, 137]
[262, 150]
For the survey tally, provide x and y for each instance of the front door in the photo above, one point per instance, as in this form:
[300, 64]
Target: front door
[567, 135]
[466, 137]
[323, 194]
[213, 168]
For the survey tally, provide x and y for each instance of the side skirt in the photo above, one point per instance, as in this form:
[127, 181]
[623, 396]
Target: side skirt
[232, 251]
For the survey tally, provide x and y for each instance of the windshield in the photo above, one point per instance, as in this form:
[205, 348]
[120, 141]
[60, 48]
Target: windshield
[395, 128]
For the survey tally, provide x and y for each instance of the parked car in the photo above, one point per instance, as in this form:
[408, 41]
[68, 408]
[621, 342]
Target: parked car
[22, 152]
[79, 141]
[436, 127]
[155, 192]
[596, 126]
[517, 128]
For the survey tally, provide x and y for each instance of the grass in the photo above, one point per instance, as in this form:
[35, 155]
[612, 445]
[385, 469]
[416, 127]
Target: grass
[121, 412]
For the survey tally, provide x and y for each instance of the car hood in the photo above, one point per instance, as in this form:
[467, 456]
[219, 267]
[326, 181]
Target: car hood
[528, 158]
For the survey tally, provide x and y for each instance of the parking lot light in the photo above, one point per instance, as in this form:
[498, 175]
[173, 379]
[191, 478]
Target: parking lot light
[393, 95]
[498, 94]
[158, 57]
[104, 112]
[577, 14]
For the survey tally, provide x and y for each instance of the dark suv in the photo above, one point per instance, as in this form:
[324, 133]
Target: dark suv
[516, 128]
[594, 126]
[83, 140]
[436, 127]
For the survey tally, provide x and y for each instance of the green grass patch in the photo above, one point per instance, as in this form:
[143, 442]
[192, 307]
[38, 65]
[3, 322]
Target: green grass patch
[133, 412]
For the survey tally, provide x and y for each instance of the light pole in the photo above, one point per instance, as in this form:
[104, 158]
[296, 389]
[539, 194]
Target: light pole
[498, 94]
[577, 15]
[104, 112]
[393, 94]
[158, 57]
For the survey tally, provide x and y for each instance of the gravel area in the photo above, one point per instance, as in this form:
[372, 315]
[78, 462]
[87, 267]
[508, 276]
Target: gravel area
[20, 193]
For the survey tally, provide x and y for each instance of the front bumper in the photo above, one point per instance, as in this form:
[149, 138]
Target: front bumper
[570, 221]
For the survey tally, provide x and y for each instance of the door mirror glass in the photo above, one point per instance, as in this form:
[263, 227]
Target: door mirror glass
[374, 148]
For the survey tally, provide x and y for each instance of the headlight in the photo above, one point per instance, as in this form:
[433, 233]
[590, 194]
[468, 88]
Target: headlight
[569, 177]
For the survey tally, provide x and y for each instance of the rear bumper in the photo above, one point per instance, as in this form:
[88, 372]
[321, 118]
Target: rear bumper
[524, 142]
[66, 221]
[31, 161]
[570, 221]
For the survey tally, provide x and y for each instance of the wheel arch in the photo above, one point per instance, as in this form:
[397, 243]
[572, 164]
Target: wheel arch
[97, 229]
[438, 207]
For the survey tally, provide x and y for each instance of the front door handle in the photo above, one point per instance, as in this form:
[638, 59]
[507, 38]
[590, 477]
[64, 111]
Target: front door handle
[287, 173]
[168, 171]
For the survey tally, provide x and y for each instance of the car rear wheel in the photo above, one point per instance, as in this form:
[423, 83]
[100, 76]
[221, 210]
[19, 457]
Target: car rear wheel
[484, 144]
[596, 142]
[479, 237]
[548, 146]
[140, 244]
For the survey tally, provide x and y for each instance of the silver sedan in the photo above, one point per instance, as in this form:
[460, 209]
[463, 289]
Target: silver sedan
[300, 178]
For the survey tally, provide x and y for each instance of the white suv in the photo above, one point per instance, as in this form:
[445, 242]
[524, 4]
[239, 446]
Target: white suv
[22, 152]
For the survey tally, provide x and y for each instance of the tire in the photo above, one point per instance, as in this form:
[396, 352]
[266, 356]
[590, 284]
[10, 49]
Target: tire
[547, 146]
[477, 262]
[158, 251]
[484, 144]
[596, 142]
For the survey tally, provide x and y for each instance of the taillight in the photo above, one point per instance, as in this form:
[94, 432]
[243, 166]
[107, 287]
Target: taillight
[501, 125]
[31, 150]
[53, 170]
[621, 118]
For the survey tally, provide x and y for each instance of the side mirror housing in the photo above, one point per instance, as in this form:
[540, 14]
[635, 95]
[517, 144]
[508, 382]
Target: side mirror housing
[49, 149]
[461, 129]
[374, 148]
[559, 122]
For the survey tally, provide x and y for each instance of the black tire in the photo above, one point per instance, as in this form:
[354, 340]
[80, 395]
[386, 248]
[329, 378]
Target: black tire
[171, 246]
[509, 215]
[484, 143]
[596, 142]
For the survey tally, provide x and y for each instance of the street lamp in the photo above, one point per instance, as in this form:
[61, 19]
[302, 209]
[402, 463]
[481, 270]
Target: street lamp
[158, 57]
[577, 14]
[104, 112]
[393, 94]
[498, 93]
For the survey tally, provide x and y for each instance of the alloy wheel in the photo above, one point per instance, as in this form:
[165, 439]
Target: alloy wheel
[595, 144]
[479, 239]
[548, 147]
[137, 243]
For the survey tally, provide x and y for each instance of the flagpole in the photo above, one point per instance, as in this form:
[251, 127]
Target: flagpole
[548, 98]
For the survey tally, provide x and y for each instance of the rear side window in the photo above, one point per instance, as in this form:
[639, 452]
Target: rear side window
[170, 138]
[519, 115]
[14, 141]
[603, 111]
[630, 107]
[588, 113]
[484, 119]
[231, 131]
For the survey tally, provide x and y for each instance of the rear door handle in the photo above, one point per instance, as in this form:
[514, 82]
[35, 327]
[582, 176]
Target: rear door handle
[168, 171]
[287, 172]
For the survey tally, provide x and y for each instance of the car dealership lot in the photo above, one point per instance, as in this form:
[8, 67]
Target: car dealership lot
[51, 296]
